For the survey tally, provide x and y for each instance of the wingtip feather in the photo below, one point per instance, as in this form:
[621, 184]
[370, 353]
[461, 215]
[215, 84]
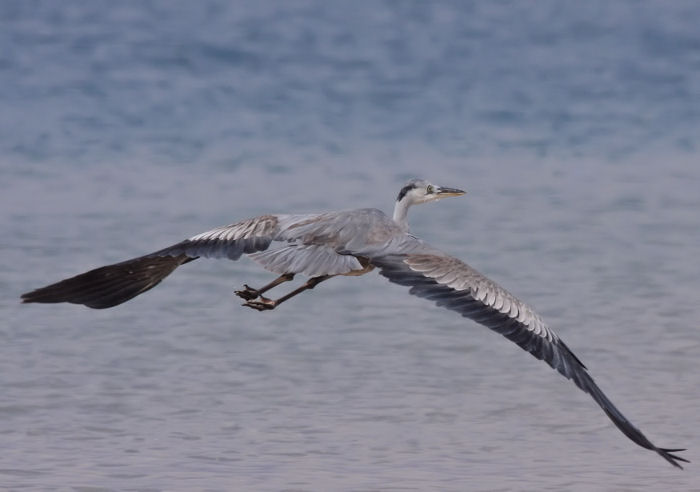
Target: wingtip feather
[668, 455]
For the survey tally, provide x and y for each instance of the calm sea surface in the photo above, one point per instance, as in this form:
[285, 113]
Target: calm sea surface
[128, 126]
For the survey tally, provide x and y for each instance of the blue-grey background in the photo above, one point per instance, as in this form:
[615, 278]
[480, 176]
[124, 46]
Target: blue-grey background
[128, 126]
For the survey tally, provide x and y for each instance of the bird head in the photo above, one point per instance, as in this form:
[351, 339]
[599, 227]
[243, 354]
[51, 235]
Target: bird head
[421, 191]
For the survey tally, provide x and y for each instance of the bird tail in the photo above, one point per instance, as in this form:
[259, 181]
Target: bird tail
[109, 285]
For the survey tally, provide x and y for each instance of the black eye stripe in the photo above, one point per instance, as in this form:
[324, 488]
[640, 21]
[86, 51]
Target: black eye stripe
[405, 190]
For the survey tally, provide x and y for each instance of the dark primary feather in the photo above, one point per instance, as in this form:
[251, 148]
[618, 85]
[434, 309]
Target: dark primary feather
[109, 285]
[523, 330]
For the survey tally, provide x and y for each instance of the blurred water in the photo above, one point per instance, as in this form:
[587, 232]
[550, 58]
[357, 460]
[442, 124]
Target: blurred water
[125, 127]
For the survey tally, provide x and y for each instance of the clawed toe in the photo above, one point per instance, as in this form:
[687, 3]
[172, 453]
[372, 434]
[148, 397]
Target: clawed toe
[248, 293]
[254, 299]
[262, 304]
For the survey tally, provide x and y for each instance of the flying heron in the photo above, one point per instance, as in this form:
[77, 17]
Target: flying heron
[354, 242]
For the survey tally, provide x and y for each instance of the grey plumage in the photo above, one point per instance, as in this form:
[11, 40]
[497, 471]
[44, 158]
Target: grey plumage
[350, 243]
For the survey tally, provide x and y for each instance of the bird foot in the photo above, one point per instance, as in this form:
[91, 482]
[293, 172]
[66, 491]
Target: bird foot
[248, 293]
[262, 304]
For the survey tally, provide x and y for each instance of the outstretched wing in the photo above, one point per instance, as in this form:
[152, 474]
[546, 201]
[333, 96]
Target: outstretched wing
[312, 244]
[452, 284]
[111, 285]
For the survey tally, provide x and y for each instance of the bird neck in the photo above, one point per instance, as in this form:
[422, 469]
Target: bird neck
[401, 213]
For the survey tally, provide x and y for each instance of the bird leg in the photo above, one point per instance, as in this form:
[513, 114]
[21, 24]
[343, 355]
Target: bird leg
[263, 303]
[249, 293]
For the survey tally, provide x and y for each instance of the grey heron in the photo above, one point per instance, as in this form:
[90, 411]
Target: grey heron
[353, 242]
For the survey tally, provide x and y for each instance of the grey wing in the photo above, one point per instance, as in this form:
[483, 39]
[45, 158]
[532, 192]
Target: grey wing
[231, 241]
[307, 244]
[309, 259]
[452, 284]
[111, 285]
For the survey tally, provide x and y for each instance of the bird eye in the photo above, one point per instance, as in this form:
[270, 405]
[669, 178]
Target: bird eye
[429, 189]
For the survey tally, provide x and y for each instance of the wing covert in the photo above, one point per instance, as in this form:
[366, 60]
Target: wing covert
[231, 241]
